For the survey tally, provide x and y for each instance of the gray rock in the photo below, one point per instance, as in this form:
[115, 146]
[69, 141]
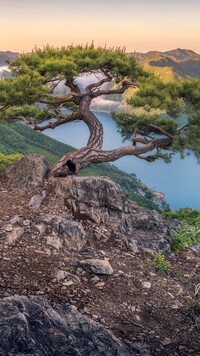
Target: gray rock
[37, 200]
[96, 197]
[29, 172]
[97, 266]
[54, 241]
[102, 201]
[62, 275]
[27, 223]
[133, 246]
[16, 233]
[146, 285]
[70, 233]
[95, 279]
[8, 227]
[41, 228]
[196, 247]
[15, 220]
[30, 326]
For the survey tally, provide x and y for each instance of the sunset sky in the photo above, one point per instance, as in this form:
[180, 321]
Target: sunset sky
[139, 25]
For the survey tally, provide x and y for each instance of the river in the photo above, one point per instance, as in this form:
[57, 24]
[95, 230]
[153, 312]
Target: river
[178, 180]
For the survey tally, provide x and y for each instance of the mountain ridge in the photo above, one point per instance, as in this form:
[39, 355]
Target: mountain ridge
[6, 56]
[171, 65]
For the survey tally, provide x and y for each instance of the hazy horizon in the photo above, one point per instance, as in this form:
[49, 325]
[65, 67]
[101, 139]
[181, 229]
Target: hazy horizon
[155, 50]
[139, 26]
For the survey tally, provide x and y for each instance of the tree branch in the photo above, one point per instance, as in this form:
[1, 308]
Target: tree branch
[107, 79]
[4, 108]
[63, 98]
[112, 155]
[52, 99]
[184, 128]
[51, 125]
[148, 158]
[74, 87]
[139, 140]
[52, 80]
[125, 85]
[157, 128]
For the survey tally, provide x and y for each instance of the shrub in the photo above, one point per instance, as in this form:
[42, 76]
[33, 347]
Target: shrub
[5, 160]
[160, 263]
[188, 215]
[185, 236]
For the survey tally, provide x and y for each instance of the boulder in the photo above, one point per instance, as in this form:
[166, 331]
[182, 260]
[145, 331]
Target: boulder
[29, 172]
[30, 326]
[97, 266]
[101, 201]
[65, 232]
[92, 197]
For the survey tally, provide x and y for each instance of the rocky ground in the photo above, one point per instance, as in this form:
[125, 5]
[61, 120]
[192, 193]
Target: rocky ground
[79, 242]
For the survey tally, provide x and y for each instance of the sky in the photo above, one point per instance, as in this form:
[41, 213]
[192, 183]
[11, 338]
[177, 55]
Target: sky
[139, 25]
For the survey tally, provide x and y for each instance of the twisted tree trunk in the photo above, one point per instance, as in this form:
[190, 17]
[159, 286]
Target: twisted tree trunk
[73, 162]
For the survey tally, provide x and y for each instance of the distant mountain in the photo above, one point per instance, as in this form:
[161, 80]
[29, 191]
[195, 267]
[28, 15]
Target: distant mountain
[182, 54]
[7, 56]
[4, 58]
[171, 65]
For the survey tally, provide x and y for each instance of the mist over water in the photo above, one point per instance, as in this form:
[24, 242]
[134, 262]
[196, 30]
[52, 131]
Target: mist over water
[179, 180]
[99, 103]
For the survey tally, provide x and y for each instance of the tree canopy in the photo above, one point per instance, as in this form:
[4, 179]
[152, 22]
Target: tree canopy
[157, 108]
[30, 95]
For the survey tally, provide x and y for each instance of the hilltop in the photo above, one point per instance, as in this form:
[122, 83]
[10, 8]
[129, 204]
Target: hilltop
[171, 65]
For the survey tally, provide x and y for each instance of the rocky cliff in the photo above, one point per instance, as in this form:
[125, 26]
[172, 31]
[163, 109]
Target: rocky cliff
[86, 253]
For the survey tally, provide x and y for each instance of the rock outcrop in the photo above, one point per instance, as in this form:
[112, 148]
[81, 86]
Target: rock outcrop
[92, 253]
[29, 172]
[68, 232]
[30, 326]
[97, 200]
[101, 201]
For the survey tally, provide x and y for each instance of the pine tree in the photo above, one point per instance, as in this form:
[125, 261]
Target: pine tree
[30, 96]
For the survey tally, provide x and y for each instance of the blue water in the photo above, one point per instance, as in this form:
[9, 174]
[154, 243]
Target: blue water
[179, 180]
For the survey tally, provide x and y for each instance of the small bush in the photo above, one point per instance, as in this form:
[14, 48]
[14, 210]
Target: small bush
[184, 237]
[188, 215]
[5, 160]
[160, 263]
